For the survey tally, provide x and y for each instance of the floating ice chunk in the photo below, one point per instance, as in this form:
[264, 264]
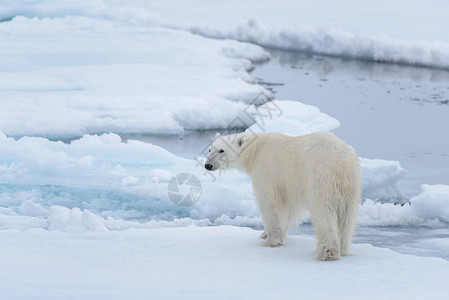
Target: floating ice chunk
[29, 208]
[74, 220]
[432, 203]
[290, 117]
[429, 208]
[380, 178]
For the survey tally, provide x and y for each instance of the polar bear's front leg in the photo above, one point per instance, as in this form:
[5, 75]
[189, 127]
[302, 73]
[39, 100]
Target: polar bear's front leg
[269, 208]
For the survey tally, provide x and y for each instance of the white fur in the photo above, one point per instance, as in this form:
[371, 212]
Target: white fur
[316, 172]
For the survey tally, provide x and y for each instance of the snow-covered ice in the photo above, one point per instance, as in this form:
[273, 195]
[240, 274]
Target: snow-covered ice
[361, 30]
[356, 29]
[423, 21]
[82, 77]
[202, 263]
[340, 43]
[366, 31]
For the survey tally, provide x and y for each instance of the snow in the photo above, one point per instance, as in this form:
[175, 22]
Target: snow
[360, 30]
[204, 262]
[419, 21]
[82, 76]
[339, 43]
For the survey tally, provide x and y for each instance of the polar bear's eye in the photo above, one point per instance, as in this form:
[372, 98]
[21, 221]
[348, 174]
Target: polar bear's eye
[221, 151]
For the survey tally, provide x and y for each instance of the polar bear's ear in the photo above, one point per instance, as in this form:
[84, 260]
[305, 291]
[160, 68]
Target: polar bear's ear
[240, 142]
[217, 135]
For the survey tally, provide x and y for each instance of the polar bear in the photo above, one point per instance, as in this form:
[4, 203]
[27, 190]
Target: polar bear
[316, 172]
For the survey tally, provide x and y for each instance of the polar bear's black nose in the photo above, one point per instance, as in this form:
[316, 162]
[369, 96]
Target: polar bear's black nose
[208, 166]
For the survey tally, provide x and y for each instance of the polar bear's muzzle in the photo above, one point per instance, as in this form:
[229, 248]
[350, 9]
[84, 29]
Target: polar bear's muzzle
[211, 167]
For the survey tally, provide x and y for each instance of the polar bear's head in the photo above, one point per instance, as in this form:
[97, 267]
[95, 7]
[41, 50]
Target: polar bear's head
[226, 152]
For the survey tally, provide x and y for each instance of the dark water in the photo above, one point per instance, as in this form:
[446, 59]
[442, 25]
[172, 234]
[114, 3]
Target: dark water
[386, 111]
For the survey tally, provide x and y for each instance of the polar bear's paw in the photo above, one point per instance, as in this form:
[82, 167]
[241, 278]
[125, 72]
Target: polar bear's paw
[263, 235]
[272, 241]
[328, 254]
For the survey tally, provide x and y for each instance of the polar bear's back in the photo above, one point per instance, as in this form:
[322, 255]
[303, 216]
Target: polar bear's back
[317, 161]
[300, 151]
